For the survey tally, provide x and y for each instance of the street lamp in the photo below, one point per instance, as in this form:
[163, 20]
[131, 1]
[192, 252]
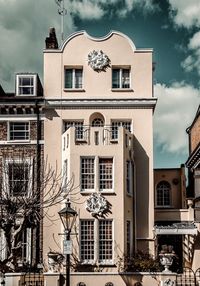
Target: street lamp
[68, 218]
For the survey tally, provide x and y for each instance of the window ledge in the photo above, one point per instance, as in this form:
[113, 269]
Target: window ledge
[122, 89]
[94, 191]
[164, 207]
[74, 90]
[19, 141]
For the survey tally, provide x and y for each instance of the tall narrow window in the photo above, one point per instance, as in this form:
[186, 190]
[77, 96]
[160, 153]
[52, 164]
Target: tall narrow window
[19, 131]
[87, 240]
[128, 237]
[87, 174]
[120, 78]
[73, 78]
[128, 177]
[105, 241]
[105, 174]
[163, 194]
[18, 174]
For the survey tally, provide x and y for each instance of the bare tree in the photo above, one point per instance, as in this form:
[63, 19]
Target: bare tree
[25, 192]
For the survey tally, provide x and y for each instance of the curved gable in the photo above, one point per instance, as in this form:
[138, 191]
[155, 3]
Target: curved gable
[98, 39]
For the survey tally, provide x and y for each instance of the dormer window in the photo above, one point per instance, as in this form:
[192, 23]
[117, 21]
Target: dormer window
[26, 85]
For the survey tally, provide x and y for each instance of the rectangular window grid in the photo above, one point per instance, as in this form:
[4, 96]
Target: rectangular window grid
[73, 78]
[105, 173]
[26, 85]
[78, 128]
[120, 78]
[87, 240]
[18, 178]
[116, 124]
[105, 241]
[87, 173]
[19, 131]
[163, 198]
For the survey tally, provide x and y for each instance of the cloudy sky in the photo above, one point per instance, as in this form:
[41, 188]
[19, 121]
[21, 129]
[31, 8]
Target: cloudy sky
[170, 27]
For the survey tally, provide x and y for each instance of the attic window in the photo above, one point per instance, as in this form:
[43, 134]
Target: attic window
[26, 85]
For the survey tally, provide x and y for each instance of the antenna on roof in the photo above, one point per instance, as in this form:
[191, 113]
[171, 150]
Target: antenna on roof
[62, 12]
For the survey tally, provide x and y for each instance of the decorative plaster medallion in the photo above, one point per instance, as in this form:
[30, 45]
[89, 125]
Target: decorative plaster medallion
[96, 204]
[98, 60]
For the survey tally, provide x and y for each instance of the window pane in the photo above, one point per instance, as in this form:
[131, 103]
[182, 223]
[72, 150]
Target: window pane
[116, 124]
[115, 78]
[68, 78]
[87, 240]
[18, 176]
[78, 125]
[78, 78]
[87, 173]
[125, 78]
[163, 194]
[26, 85]
[105, 173]
[19, 131]
[105, 241]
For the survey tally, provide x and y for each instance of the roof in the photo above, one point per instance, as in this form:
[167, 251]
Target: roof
[194, 159]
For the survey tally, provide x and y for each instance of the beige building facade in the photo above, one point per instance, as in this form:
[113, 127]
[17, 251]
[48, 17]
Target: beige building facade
[99, 130]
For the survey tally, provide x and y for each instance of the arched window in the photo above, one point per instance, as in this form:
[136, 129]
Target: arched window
[163, 191]
[98, 122]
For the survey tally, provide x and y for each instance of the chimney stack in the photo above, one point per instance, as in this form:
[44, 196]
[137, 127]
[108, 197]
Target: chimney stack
[51, 41]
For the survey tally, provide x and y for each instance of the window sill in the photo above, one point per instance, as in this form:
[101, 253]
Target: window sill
[74, 90]
[122, 89]
[164, 207]
[19, 141]
[86, 192]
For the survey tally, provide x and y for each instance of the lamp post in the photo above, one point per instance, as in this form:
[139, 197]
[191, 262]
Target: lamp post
[68, 217]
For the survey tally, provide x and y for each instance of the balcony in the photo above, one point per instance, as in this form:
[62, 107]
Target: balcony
[88, 135]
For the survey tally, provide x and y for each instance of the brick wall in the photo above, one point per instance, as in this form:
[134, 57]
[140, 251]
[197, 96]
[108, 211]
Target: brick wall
[195, 134]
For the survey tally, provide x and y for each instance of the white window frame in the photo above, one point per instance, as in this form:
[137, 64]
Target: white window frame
[18, 77]
[96, 243]
[106, 261]
[96, 175]
[84, 173]
[121, 69]
[79, 127]
[6, 184]
[26, 131]
[74, 69]
[105, 180]
[163, 205]
[115, 124]
[81, 239]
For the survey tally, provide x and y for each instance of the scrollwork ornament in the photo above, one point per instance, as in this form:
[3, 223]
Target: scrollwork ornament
[98, 60]
[96, 204]
[168, 282]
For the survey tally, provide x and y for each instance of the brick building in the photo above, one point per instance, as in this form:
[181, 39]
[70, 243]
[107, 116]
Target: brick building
[21, 157]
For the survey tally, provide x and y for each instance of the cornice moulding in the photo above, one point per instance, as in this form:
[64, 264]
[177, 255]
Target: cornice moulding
[106, 103]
